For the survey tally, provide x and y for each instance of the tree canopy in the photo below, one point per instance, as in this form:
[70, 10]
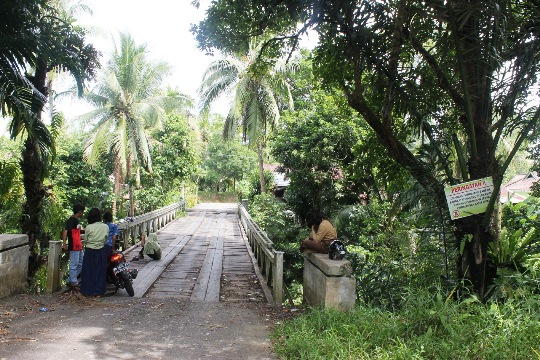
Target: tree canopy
[453, 76]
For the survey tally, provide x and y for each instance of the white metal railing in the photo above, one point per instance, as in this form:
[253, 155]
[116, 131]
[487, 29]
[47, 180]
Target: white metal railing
[270, 261]
[130, 231]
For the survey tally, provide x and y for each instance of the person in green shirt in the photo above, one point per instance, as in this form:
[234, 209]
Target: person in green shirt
[150, 247]
[94, 267]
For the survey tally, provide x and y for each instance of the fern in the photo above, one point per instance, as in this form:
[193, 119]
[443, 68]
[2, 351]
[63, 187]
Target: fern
[512, 249]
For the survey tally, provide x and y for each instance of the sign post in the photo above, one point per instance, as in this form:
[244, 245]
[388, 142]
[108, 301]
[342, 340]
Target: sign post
[469, 198]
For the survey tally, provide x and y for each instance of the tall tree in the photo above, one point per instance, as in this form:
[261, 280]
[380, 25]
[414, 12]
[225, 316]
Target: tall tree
[259, 92]
[128, 101]
[39, 40]
[458, 72]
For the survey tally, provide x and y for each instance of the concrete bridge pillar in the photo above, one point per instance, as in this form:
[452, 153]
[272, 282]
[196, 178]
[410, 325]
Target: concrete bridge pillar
[328, 283]
[14, 254]
[53, 267]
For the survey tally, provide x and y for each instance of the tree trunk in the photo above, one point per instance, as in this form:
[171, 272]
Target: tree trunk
[261, 167]
[34, 191]
[472, 262]
[33, 170]
[117, 188]
[131, 186]
[131, 200]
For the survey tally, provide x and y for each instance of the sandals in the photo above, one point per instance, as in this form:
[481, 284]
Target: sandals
[74, 286]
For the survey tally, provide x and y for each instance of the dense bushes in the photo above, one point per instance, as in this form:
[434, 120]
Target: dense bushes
[407, 307]
[278, 222]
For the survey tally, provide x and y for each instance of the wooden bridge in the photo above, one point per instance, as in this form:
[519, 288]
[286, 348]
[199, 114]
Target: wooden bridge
[206, 257]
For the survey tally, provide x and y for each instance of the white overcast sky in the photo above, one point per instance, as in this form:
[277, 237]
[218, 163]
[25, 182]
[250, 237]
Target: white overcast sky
[163, 25]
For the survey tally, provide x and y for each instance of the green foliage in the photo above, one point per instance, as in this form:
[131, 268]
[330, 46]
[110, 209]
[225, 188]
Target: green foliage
[226, 163]
[381, 278]
[524, 215]
[174, 159]
[205, 31]
[535, 189]
[75, 181]
[437, 98]
[315, 146]
[276, 219]
[11, 196]
[512, 249]
[129, 102]
[38, 283]
[389, 254]
[259, 89]
[426, 327]
[174, 153]
[361, 224]
[516, 254]
[514, 285]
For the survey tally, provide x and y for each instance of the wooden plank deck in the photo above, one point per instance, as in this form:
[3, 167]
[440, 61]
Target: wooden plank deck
[205, 258]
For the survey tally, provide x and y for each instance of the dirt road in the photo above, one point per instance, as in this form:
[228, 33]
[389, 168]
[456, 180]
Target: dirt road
[70, 326]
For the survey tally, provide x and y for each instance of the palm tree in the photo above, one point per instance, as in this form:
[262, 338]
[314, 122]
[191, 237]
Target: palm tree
[17, 48]
[259, 92]
[35, 41]
[128, 101]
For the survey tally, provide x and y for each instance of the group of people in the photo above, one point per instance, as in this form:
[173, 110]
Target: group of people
[89, 261]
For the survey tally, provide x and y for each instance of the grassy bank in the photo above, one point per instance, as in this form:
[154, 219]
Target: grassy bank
[426, 327]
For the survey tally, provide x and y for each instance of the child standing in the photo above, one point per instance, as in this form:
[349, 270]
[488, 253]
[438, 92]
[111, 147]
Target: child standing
[110, 246]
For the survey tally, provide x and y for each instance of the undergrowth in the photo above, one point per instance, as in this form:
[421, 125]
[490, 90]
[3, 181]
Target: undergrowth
[425, 327]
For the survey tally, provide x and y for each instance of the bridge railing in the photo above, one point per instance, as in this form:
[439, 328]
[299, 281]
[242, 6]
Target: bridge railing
[269, 260]
[130, 231]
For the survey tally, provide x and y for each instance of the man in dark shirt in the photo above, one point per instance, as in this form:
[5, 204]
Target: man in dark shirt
[72, 233]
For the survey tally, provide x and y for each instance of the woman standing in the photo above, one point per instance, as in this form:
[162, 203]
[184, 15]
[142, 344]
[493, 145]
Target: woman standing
[322, 234]
[94, 268]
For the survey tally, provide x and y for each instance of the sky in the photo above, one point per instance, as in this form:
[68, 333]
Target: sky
[163, 25]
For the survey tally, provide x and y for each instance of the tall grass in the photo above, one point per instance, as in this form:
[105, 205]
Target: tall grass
[426, 327]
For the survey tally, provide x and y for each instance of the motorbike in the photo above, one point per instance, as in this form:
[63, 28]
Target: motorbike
[120, 274]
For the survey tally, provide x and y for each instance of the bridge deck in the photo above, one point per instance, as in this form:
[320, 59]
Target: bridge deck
[205, 258]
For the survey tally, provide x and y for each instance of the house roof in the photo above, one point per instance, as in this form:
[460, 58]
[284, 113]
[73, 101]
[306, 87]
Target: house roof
[519, 187]
[270, 167]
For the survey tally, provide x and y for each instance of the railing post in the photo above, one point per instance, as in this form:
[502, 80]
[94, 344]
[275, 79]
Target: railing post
[278, 277]
[53, 266]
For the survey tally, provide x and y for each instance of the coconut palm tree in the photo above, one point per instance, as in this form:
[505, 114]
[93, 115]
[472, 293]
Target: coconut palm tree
[17, 48]
[34, 40]
[128, 101]
[259, 91]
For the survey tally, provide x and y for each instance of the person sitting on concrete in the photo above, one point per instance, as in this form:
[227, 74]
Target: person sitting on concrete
[321, 236]
[150, 247]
